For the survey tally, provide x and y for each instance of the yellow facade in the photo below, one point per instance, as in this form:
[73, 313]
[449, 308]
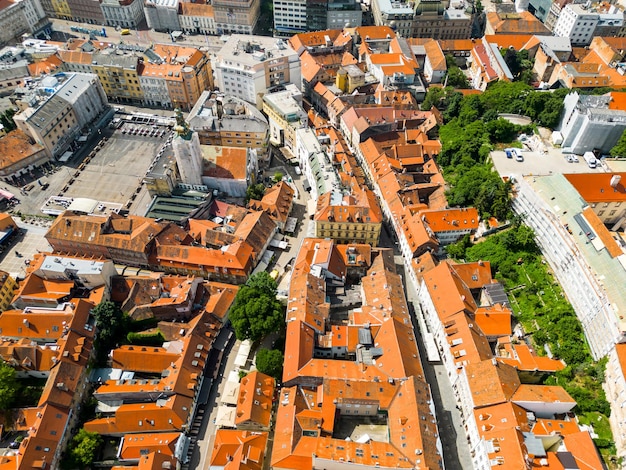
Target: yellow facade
[62, 9]
[7, 288]
[348, 232]
[119, 83]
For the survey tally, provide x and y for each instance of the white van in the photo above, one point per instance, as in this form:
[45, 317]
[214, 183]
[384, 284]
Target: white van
[518, 154]
[297, 170]
[591, 159]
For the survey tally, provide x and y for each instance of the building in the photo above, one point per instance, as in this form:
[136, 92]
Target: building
[197, 18]
[57, 109]
[229, 170]
[441, 19]
[7, 288]
[592, 122]
[277, 201]
[122, 13]
[20, 154]
[225, 120]
[349, 218]
[85, 11]
[514, 23]
[604, 193]
[487, 65]
[315, 163]
[119, 76]
[396, 14]
[254, 406]
[285, 115]
[248, 67]
[302, 16]
[19, 17]
[615, 388]
[236, 16]
[577, 23]
[239, 449]
[162, 15]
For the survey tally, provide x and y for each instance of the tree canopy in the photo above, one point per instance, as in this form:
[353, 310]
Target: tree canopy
[9, 386]
[111, 325]
[256, 312]
[620, 148]
[84, 446]
[255, 191]
[270, 362]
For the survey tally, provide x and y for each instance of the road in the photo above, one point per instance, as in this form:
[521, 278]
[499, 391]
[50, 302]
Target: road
[143, 37]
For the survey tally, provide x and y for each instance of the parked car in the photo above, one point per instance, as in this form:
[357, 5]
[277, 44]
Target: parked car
[509, 153]
[518, 155]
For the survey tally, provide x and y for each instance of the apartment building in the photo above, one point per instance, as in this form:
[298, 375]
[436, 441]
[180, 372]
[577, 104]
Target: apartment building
[487, 65]
[514, 23]
[56, 109]
[277, 201]
[119, 76]
[19, 17]
[397, 14]
[236, 16]
[248, 67]
[576, 23]
[162, 15]
[122, 13]
[197, 18]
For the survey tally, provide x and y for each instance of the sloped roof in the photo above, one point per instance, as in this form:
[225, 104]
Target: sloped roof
[256, 394]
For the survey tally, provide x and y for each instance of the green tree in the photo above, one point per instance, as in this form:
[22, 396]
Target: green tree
[255, 191]
[620, 148]
[84, 446]
[456, 78]
[270, 362]
[256, 312]
[111, 324]
[278, 176]
[9, 386]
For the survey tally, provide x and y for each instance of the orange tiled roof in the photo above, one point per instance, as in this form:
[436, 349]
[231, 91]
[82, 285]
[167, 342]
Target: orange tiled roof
[523, 358]
[15, 147]
[542, 393]
[491, 382]
[494, 320]
[44, 67]
[277, 201]
[596, 187]
[523, 23]
[450, 220]
[133, 446]
[238, 450]
[549, 426]
[256, 394]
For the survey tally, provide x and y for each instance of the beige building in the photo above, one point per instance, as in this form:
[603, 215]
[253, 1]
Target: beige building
[285, 115]
[55, 111]
[236, 16]
[197, 18]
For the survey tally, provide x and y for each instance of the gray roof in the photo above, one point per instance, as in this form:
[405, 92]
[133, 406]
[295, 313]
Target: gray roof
[124, 61]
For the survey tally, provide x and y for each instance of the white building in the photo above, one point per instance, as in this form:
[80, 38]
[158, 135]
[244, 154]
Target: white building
[236, 16]
[122, 13]
[591, 278]
[290, 17]
[162, 15]
[590, 124]
[197, 18]
[21, 17]
[577, 24]
[615, 388]
[396, 14]
[248, 66]
[154, 88]
[285, 114]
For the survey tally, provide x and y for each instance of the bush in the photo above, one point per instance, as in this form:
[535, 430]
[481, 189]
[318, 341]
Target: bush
[146, 339]
[270, 362]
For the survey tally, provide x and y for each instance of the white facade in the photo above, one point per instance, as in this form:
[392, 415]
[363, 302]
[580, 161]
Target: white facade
[198, 24]
[398, 14]
[155, 91]
[189, 159]
[125, 14]
[162, 15]
[247, 66]
[589, 125]
[20, 17]
[577, 24]
[589, 299]
[290, 16]
[615, 388]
